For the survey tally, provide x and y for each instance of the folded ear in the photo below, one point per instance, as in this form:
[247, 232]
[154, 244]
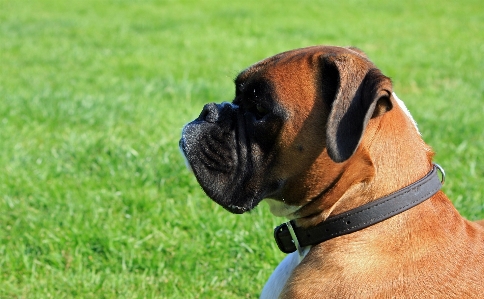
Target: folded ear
[355, 92]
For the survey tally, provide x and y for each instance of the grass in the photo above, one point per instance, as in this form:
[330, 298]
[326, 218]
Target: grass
[95, 201]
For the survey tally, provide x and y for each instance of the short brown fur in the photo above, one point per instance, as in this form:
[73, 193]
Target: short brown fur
[429, 251]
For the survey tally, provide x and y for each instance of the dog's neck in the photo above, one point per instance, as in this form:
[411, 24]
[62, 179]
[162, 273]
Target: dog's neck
[289, 237]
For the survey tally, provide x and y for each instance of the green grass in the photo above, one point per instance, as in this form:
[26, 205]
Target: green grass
[95, 201]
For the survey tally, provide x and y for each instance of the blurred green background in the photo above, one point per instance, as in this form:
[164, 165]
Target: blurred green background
[95, 201]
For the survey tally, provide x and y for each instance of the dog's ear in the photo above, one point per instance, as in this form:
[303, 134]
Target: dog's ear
[355, 93]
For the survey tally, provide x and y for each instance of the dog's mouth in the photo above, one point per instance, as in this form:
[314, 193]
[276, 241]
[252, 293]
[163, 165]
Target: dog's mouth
[238, 210]
[215, 158]
[223, 162]
[231, 208]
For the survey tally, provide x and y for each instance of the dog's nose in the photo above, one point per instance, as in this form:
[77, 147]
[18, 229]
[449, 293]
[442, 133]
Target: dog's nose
[212, 112]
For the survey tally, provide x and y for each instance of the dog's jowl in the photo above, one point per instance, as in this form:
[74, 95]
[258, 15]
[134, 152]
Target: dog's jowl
[320, 135]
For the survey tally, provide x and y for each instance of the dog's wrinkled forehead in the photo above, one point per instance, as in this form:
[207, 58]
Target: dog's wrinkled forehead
[277, 61]
[294, 62]
[304, 53]
[283, 68]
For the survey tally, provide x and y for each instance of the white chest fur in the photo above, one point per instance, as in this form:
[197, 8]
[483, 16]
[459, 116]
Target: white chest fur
[278, 278]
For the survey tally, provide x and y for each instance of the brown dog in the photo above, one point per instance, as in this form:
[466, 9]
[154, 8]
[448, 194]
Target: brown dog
[319, 133]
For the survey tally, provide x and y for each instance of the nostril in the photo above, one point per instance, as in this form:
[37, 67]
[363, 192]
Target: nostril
[209, 113]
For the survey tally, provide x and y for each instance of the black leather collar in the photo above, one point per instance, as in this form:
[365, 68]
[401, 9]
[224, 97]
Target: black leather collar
[290, 238]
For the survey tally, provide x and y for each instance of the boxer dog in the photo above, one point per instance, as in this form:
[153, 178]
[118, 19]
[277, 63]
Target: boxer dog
[319, 134]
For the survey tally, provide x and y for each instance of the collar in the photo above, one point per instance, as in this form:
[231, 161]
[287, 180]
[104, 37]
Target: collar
[290, 238]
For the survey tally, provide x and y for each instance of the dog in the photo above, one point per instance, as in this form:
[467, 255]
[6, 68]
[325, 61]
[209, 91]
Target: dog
[320, 135]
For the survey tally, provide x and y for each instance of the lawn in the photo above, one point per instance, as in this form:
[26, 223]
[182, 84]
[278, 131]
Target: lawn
[95, 200]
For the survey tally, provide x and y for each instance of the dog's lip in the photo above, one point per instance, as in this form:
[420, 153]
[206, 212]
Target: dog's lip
[236, 209]
[182, 146]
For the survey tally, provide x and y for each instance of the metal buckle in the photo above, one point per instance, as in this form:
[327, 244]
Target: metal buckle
[294, 238]
[442, 172]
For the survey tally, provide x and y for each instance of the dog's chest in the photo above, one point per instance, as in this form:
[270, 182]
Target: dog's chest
[278, 278]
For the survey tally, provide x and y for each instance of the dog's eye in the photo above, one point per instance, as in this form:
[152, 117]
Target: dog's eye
[258, 111]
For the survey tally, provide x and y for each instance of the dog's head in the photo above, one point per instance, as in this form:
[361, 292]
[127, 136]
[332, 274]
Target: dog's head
[296, 117]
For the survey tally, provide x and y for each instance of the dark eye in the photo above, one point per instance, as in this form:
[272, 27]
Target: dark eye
[258, 111]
